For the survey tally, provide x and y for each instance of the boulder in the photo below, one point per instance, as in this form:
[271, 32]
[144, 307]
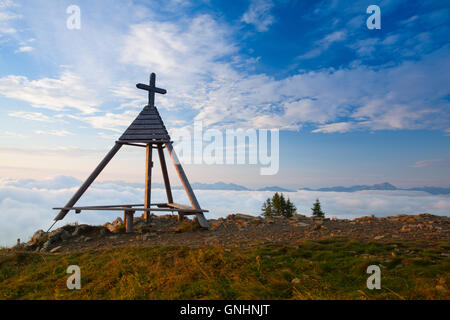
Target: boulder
[65, 235]
[117, 222]
[38, 236]
[148, 236]
[56, 249]
[244, 216]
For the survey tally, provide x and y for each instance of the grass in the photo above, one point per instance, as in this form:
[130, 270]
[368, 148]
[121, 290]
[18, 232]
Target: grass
[328, 269]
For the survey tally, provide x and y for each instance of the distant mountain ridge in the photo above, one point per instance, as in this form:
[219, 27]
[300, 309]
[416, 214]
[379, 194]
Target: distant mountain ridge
[381, 186]
[385, 186]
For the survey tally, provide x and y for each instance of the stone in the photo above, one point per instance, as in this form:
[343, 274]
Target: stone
[65, 235]
[37, 236]
[86, 239]
[56, 249]
[110, 227]
[245, 217]
[148, 236]
[80, 230]
[379, 237]
[46, 245]
[118, 221]
[300, 224]
[295, 281]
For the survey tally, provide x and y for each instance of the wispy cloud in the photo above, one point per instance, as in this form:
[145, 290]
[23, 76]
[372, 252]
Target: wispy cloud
[426, 163]
[24, 49]
[334, 127]
[7, 17]
[323, 44]
[67, 91]
[9, 134]
[259, 14]
[59, 133]
[34, 116]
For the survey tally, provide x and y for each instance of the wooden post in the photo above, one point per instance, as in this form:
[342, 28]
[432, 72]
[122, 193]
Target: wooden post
[165, 174]
[89, 181]
[148, 181]
[186, 185]
[128, 220]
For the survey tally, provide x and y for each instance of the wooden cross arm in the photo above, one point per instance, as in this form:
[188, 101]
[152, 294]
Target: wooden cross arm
[151, 89]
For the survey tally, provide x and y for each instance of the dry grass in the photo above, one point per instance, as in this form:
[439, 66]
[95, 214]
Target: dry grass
[315, 270]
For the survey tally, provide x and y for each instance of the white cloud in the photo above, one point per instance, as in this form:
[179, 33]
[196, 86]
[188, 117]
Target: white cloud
[67, 91]
[426, 163]
[7, 17]
[59, 133]
[323, 44]
[109, 121]
[334, 127]
[259, 15]
[34, 116]
[8, 134]
[207, 79]
[25, 49]
[209, 86]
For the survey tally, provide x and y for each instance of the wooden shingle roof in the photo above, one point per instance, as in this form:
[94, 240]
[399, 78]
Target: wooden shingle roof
[148, 127]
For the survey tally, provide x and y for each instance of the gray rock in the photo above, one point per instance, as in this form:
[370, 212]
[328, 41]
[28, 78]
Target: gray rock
[118, 221]
[65, 235]
[148, 236]
[56, 249]
[245, 216]
[300, 224]
[47, 245]
[80, 230]
[58, 235]
[86, 239]
[110, 227]
[37, 236]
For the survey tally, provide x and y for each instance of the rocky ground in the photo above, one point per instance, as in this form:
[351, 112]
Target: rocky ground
[240, 230]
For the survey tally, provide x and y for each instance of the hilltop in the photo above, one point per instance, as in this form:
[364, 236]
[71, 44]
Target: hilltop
[239, 230]
[240, 257]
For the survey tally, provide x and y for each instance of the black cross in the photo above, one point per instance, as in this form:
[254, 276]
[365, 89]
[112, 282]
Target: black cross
[151, 90]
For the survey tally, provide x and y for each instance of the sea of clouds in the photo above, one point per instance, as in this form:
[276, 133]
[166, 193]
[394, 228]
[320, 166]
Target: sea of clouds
[26, 204]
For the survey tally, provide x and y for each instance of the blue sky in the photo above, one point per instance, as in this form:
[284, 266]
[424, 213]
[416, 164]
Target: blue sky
[354, 106]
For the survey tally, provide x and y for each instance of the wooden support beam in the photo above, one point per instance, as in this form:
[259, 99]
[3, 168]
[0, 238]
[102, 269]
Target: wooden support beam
[160, 209]
[165, 174]
[89, 180]
[186, 185]
[128, 217]
[148, 181]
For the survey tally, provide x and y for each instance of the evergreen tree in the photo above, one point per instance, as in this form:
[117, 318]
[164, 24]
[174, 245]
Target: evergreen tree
[267, 210]
[278, 206]
[290, 209]
[317, 210]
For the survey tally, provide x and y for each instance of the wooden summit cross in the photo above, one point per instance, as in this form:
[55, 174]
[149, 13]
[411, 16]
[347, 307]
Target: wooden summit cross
[146, 131]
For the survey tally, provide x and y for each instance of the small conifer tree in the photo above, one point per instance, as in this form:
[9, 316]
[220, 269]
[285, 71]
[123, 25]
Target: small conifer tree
[317, 210]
